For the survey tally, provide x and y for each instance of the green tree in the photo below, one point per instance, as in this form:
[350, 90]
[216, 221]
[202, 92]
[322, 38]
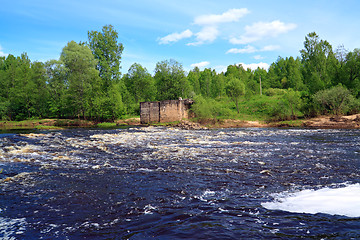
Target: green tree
[218, 85]
[317, 56]
[236, 71]
[19, 86]
[260, 74]
[58, 84]
[235, 89]
[109, 106]
[292, 100]
[170, 80]
[285, 73]
[140, 83]
[352, 71]
[294, 75]
[83, 78]
[205, 81]
[106, 49]
[246, 77]
[193, 79]
[38, 91]
[4, 89]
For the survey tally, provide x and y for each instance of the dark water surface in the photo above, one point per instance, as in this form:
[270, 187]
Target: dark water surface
[161, 183]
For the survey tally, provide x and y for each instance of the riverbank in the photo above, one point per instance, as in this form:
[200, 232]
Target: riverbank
[322, 122]
[335, 122]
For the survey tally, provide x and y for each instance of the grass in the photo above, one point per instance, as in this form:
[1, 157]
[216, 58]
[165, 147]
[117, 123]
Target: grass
[44, 127]
[106, 125]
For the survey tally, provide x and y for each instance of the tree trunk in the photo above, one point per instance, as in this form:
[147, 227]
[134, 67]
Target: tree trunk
[237, 105]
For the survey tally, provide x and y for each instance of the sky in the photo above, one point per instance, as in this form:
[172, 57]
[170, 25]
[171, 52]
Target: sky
[208, 34]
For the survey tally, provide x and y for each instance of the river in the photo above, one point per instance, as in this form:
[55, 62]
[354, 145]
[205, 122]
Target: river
[166, 183]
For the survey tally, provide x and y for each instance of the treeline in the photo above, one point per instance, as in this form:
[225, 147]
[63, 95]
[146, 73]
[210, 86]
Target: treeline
[85, 82]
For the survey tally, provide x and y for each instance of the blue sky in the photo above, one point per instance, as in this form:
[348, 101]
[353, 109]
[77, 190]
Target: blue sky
[212, 34]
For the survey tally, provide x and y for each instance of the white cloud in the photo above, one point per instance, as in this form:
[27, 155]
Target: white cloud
[210, 27]
[232, 15]
[247, 49]
[174, 37]
[207, 34]
[251, 49]
[2, 54]
[258, 57]
[200, 64]
[254, 66]
[261, 30]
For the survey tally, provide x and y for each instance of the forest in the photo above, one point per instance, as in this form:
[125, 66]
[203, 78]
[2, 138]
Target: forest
[86, 83]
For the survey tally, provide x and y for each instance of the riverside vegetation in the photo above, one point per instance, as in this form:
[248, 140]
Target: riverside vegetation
[85, 83]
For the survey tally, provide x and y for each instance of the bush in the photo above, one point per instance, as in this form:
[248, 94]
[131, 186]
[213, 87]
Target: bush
[207, 108]
[274, 91]
[336, 100]
[288, 107]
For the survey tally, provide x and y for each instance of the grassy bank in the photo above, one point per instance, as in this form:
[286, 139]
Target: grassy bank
[54, 124]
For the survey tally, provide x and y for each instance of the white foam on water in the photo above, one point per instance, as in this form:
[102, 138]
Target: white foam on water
[335, 201]
[10, 228]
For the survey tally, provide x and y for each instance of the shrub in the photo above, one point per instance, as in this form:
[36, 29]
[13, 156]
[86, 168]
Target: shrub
[288, 107]
[336, 100]
[207, 108]
[274, 91]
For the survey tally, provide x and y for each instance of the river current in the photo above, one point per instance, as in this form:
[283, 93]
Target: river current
[165, 183]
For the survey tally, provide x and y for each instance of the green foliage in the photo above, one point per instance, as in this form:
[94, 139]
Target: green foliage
[170, 80]
[318, 59]
[351, 72]
[259, 107]
[107, 51]
[235, 89]
[83, 79]
[193, 78]
[208, 108]
[57, 85]
[288, 106]
[336, 100]
[274, 91]
[140, 84]
[86, 83]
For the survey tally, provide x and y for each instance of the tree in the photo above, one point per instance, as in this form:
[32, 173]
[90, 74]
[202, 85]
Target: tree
[235, 89]
[352, 71]
[106, 49]
[140, 83]
[205, 81]
[19, 87]
[285, 73]
[170, 80]
[83, 78]
[317, 56]
[292, 99]
[58, 84]
[193, 79]
[38, 90]
[218, 85]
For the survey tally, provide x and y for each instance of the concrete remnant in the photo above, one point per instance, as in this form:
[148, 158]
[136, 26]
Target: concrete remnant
[165, 111]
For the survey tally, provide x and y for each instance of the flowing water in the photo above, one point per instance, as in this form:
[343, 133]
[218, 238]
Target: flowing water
[163, 183]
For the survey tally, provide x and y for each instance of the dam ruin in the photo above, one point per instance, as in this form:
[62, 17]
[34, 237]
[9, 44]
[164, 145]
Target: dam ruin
[165, 111]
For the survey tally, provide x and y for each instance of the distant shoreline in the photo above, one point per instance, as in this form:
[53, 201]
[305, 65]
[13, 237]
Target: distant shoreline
[323, 122]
